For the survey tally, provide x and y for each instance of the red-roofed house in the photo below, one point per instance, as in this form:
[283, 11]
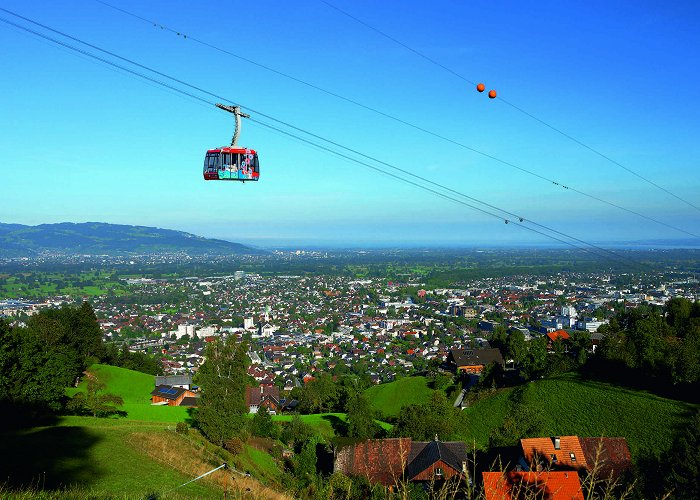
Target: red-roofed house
[611, 455]
[558, 335]
[548, 485]
[559, 452]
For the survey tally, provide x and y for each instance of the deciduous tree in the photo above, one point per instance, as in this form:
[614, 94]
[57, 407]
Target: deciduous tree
[221, 413]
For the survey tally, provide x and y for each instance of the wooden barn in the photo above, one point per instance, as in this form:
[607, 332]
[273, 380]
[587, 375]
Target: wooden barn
[173, 396]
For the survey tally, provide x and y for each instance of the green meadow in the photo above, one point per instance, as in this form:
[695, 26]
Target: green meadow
[569, 405]
[91, 457]
[390, 398]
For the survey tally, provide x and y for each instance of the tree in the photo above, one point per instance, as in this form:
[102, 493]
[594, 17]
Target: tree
[33, 375]
[683, 479]
[424, 421]
[262, 425]
[71, 328]
[319, 395]
[305, 462]
[686, 362]
[296, 432]
[90, 401]
[535, 360]
[579, 344]
[516, 346]
[522, 420]
[499, 339]
[221, 413]
[360, 417]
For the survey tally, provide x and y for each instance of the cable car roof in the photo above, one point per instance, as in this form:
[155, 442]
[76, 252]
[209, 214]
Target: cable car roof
[230, 149]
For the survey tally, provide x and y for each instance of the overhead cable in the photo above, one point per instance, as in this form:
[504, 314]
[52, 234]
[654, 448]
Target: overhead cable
[407, 123]
[517, 108]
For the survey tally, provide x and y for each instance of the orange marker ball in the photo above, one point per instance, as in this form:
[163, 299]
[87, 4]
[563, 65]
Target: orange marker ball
[481, 87]
[492, 94]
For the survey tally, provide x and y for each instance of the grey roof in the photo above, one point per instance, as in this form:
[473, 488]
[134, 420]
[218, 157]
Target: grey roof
[425, 454]
[472, 357]
[174, 380]
[189, 401]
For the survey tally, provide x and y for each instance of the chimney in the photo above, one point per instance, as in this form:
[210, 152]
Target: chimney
[557, 442]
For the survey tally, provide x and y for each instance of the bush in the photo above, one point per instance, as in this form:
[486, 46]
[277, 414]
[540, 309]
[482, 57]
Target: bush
[234, 445]
[181, 428]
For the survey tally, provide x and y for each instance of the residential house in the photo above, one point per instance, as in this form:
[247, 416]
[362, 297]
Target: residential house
[609, 456]
[390, 461]
[264, 396]
[473, 361]
[551, 485]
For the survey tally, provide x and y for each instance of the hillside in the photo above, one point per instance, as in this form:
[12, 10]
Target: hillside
[106, 458]
[568, 405]
[96, 238]
[390, 398]
[133, 457]
[135, 389]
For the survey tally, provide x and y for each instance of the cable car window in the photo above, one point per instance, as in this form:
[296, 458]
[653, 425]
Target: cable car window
[210, 161]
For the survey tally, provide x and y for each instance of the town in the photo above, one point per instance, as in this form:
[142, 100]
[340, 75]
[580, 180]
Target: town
[300, 325]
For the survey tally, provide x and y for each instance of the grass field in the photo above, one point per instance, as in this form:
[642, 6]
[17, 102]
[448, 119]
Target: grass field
[135, 388]
[260, 464]
[38, 285]
[569, 405]
[390, 398]
[102, 459]
[86, 457]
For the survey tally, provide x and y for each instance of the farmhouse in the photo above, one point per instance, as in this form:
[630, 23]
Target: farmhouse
[264, 396]
[473, 361]
[389, 461]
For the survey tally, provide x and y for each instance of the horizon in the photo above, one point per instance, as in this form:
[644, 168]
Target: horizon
[340, 245]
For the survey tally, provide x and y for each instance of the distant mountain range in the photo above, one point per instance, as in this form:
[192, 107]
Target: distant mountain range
[96, 238]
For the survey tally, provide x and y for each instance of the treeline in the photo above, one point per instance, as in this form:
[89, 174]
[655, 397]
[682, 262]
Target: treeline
[49, 353]
[653, 347]
[538, 357]
[137, 361]
[39, 360]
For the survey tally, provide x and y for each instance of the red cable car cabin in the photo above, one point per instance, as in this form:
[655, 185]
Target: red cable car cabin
[231, 164]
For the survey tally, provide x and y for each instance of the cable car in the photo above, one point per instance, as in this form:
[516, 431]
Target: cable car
[232, 163]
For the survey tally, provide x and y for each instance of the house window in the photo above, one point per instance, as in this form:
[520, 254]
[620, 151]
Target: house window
[439, 472]
[573, 456]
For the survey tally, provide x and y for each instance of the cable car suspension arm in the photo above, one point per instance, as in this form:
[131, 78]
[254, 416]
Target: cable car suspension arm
[236, 110]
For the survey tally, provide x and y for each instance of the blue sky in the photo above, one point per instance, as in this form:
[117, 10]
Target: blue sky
[83, 142]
